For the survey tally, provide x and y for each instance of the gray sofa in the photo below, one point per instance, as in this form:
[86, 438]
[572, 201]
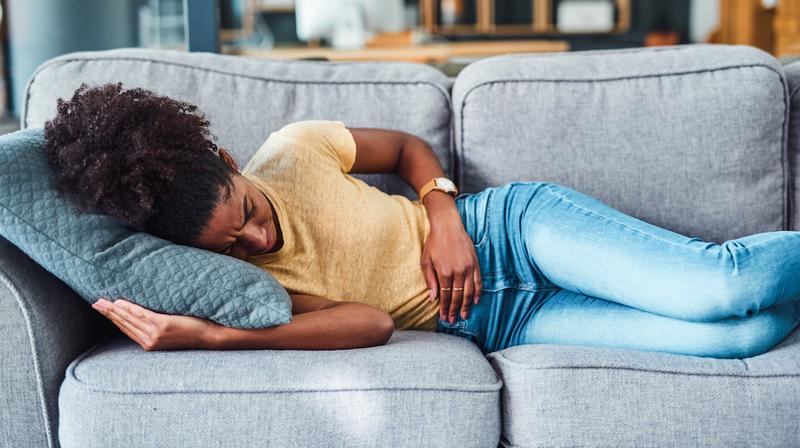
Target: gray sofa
[694, 138]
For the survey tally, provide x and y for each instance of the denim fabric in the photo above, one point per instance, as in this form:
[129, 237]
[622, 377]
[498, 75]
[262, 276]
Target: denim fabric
[560, 267]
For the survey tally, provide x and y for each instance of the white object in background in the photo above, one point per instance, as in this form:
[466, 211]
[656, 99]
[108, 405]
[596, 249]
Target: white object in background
[145, 29]
[349, 32]
[314, 18]
[585, 16]
[703, 19]
[317, 19]
[385, 15]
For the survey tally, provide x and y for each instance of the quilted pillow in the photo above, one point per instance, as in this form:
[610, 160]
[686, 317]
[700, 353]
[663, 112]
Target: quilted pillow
[98, 256]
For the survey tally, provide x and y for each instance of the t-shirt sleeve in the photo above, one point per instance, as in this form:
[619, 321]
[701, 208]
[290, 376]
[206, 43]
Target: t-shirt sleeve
[329, 139]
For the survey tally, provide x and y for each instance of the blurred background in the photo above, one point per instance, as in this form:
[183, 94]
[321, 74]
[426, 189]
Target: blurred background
[448, 34]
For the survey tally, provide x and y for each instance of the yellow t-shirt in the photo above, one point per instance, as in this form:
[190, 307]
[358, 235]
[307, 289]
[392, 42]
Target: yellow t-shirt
[343, 239]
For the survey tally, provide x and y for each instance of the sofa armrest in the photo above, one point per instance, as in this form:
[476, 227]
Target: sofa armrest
[44, 325]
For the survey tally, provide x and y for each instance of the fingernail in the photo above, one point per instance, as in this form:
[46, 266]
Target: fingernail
[463, 314]
[430, 293]
[452, 320]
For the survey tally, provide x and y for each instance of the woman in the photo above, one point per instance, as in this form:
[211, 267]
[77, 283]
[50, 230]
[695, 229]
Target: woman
[526, 262]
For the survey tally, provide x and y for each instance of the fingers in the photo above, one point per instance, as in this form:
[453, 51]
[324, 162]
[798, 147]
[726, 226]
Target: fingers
[445, 292]
[106, 308]
[457, 288]
[466, 300]
[430, 279]
[457, 297]
[133, 314]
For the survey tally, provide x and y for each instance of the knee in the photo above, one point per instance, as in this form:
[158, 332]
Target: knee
[741, 338]
[727, 299]
[737, 292]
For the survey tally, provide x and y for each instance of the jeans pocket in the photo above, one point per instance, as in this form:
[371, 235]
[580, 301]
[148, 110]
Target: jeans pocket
[475, 212]
[456, 329]
[482, 234]
[459, 323]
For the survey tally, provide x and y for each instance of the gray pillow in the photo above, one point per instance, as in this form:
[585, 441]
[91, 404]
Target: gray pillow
[98, 256]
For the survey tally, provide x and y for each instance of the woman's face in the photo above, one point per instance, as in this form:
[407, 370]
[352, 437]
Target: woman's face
[242, 226]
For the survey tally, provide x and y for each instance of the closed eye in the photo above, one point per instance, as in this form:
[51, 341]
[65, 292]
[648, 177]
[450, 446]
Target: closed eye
[247, 216]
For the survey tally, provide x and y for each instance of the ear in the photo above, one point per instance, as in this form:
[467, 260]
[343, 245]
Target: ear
[228, 158]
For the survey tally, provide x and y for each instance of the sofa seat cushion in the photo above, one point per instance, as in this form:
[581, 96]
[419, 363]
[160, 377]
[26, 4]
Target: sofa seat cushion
[559, 396]
[420, 389]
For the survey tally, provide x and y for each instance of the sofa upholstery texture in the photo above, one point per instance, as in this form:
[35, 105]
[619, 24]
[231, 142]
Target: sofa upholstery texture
[697, 138]
[574, 118]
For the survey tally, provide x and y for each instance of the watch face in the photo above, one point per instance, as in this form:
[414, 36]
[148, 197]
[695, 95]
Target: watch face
[445, 183]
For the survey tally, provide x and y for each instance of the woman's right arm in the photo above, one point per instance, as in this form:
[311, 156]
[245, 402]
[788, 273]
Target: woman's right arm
[318, 324]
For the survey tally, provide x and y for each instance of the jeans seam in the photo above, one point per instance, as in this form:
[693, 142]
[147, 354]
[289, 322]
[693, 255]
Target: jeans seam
[537, 288]
[486, 220]
[611, 220]
[725, 244]
[516, 286]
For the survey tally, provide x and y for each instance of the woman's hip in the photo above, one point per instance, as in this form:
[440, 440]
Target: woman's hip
[500, 318]
[494, 219]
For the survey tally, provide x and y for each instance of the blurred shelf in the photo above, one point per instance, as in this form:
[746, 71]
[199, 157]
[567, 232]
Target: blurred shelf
[479, 17]
[425, 53]
[275, 9]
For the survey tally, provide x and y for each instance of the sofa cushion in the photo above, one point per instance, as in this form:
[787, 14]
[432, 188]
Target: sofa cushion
[566, 396]
[691, 137]
[420, 389]
[245, 99]
[98, 256]
[792, 71]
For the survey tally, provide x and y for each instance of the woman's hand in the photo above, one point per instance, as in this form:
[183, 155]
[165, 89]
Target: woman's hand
[449, 261]
[154, 331]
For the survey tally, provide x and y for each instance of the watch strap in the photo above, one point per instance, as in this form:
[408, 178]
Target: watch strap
[431, 185]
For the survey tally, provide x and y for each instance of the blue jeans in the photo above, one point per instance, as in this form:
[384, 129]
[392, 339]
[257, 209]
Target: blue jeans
[559, 267]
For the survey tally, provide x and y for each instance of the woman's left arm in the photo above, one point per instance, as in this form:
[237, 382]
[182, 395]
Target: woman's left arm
[448, 256]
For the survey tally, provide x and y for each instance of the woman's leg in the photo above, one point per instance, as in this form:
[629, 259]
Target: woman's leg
[583, 245]
[571, 318]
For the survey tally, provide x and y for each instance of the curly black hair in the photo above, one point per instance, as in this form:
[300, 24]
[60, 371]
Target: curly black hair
[147, 160]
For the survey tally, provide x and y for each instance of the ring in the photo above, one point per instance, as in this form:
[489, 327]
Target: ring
[458, 289]
[444, 289]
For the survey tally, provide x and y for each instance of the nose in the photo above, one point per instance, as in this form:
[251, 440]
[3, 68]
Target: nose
[255, 238]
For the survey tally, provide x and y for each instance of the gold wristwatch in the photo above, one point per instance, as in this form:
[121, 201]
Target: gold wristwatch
[438, 183]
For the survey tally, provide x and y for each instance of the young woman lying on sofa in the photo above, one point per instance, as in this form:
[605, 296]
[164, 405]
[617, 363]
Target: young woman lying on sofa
[521, 263]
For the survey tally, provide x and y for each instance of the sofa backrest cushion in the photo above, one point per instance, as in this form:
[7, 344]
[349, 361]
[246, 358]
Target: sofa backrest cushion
[97, 256]
[245, 99]
[792, 72]
[691, 138]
